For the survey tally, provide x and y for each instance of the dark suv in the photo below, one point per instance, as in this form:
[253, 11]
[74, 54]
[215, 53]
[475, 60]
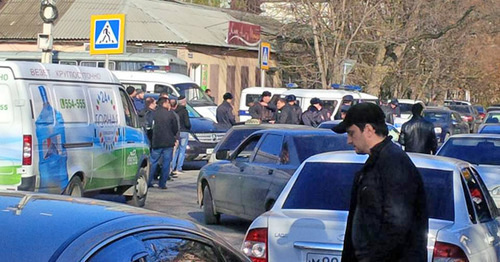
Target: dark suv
[446, 122]
[469, 114]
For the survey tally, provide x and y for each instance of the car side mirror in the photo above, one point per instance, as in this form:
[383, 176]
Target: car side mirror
[222, 154]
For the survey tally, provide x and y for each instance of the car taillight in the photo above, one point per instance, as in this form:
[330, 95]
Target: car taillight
[482, 115]
[27, 150]
[448, 252]
[467, 118]
[255, 245]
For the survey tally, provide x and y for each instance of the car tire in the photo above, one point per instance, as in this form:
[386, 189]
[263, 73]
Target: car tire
[211, 217]
[75, 187]
[140, 186]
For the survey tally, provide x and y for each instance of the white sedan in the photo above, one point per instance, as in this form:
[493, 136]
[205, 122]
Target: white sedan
[308, 220]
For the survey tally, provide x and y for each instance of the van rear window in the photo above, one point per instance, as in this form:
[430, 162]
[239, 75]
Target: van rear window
[6, 113]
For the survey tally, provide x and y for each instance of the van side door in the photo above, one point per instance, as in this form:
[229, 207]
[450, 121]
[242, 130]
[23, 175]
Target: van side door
[108, 166]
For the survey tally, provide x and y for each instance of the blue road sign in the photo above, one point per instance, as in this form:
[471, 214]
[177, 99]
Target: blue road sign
[107, 34]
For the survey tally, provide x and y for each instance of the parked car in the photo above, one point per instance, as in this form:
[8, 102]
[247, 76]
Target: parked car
[489, 129]
[482, 150]
[456, 102]
[493, 108]
[238, 133]
[481, 110]
[249, 182]
[203, 136]
[308, 220]
[446, 122]
[45, 227]
[393, 132]
[492, 117]
[469, 114]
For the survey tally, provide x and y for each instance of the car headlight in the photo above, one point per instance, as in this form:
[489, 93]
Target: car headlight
[438, 130]
[191, 138]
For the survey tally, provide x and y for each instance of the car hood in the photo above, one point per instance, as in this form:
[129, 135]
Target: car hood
[205, 125]
[289, 228]
[51, 222]
[489, 174]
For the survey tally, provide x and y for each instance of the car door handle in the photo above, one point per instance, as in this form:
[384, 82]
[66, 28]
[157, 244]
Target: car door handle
[270, 172]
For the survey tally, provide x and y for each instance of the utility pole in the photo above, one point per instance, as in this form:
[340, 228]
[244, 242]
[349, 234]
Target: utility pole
[48, 13]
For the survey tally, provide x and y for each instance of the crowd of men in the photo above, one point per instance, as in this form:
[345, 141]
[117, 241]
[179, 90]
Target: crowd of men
[166, 123]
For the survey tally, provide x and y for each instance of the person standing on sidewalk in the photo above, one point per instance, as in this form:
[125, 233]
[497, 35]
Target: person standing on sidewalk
[184, 127]
[224, 113]
[165, 138]
[385, 223]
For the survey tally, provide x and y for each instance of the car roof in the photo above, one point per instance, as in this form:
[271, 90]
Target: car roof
[51, 222]
[420, 160]
[271, 126]
[307, 130]
[495, 136]
[438, 109]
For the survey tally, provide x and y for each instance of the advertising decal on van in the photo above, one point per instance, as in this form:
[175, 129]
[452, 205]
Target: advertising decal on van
[106, 120]
[51, 136]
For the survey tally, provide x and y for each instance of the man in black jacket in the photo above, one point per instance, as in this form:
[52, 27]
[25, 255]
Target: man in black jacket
[417, 135]
[296, 110]
[224, 113]
[387, 218]
[285, 113]
[184, 127]
[165, 131]
[263, 110]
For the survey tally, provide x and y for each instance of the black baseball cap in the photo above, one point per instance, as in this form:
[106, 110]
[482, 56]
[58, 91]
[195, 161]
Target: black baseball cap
[315, 100]
[362, 113]
[266, 93]
[227, 96]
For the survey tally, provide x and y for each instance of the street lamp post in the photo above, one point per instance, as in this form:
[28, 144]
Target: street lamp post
[48, 13]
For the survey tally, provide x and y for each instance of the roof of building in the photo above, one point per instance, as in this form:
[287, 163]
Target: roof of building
[154, 21]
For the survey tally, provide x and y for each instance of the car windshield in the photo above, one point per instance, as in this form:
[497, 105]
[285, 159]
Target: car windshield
[493, 117]
[438, 117]
[191, 111]
[460, 109]
[308, 145]
[194, 95]
[480, 109]
[479, 151]
[327, 186]
[235, 138]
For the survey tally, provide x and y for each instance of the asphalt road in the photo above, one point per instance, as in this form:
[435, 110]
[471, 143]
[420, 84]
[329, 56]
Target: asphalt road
[179, 201]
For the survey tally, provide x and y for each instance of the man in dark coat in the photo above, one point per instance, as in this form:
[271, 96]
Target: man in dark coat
[184, 128]
[296, 110]
[285, 113]
[387, 218]
[311, 117]
[165, 138]
[417, 135]
[224, 113]
[347, 101]
[263, 110]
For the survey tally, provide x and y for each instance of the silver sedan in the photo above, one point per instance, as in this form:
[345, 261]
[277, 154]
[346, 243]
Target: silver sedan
[308, 220]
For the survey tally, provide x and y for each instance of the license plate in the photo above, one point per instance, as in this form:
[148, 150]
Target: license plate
[311, 257]
[210, 150]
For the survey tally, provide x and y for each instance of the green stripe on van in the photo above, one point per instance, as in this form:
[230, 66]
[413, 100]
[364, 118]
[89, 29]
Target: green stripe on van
[8, 175]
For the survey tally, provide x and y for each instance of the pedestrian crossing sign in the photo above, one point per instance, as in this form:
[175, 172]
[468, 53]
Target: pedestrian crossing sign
[265, 52]
[107, 34]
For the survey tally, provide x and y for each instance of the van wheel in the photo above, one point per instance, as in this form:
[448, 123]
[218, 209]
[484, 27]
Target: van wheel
[138, 198]
[211, 217]
[75, 187]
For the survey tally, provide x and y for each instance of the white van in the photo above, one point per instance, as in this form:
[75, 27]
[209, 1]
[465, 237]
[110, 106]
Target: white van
[172, 83]
[331, 99]
[251, 94]
[71, 130]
